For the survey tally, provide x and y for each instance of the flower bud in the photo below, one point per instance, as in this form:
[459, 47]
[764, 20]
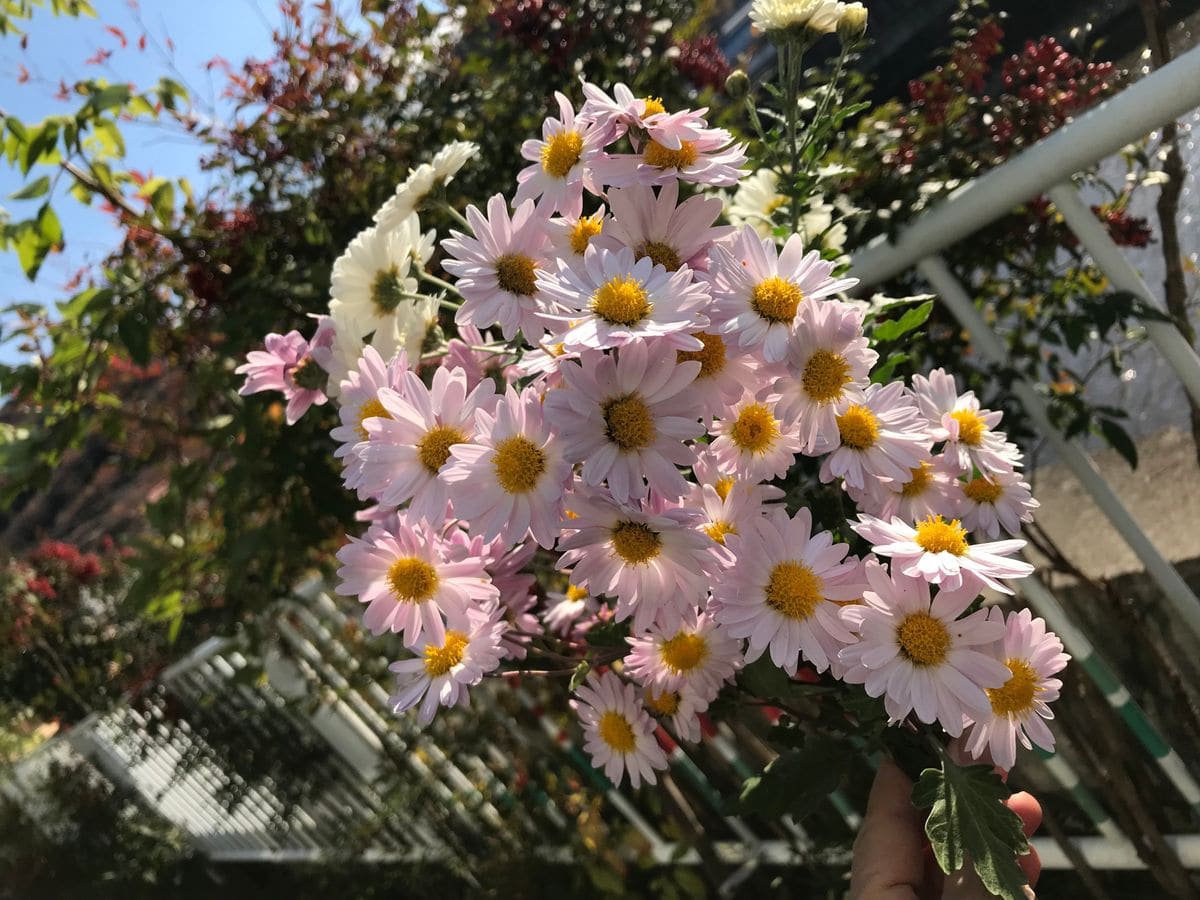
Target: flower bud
[853, 24]
[737, 85]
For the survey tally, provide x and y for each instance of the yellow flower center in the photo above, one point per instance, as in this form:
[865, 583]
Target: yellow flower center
[825, 375]
[776, 300]
[412, 580]
[718, 529]
[434, 448]
[918, 482]
[621, 301]
[661, 254]
[971, 428]
[636, 543]
[755, 430]
[684, 652]
[924, 640]
[387, 290]
[658, 155]
[372, 409]
[440, 660]
[582, 232]
[514, 273]
[858, 427]
[628, 423]
[519, 463]
[711, 356]
[724, 485]
[561, 153]
[983, 491]
[1016, 695]
[664, 704]
[936, 535]
[654, 105]
[794, 590]
[614, 729]
[576, 593]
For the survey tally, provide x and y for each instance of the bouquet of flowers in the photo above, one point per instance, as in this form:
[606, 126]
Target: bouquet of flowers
[607, 467]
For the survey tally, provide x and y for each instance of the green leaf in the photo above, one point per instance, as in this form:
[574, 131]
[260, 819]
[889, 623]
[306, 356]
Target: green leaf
[968, 819]
[110, 96]
[1119, 439]
[883, 374]
[911, 320]
[134, 332]
[797, 781]
[50, 227]
[33, 190]
[577, 677]
[764, 679]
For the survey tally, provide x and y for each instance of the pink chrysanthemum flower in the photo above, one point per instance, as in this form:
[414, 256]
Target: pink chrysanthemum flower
[969, 432]
[995, 501]
[446, 667]
[618, 732]
[919, 655]
[615, 115]
[680, 146]
[509, 481]
[751, 441]
[288, 366]
[884, 436]
[681, 708]
[937, 551]
[698, 656]
[497, 268]
[758, 289]
[782, 591]
[726, 370]
[359, 399]
[406, 450]
[737, 510]
[654, 562]
[506, 567]
[569, 614]
[612, 300]
[410, 579]
[627, 418]
[570, 237]
[828, 370]
[561, 162]
[463, 352]
[709, 471]
[1033, 656]
[928, 491]
[671, 233]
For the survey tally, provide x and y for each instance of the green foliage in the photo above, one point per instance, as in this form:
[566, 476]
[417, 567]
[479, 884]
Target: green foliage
[968, 822]
[798, 780]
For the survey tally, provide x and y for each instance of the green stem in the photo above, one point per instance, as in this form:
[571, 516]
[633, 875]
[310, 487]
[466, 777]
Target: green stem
[456, 216]
[433, 279]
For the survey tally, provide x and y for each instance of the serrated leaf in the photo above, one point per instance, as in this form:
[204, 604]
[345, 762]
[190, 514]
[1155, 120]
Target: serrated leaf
[910, 321]
[968, 820]
[797, 781]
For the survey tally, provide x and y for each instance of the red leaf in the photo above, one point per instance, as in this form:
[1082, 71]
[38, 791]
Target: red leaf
[22, 74]
[118, 34]
[99, 58]
[142, 42]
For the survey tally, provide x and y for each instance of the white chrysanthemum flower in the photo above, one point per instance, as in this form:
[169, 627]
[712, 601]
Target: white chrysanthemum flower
[373, 282]
[680, 708]
[340, 357]
[755, 201]
[821, 16]
[422, 181]
[444, 668]
[619, 733]
[994, 501]
[968, 430]
[698, 656]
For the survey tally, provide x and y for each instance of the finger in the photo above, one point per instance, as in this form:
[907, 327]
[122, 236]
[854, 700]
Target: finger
[888, 853]
[1026, 806]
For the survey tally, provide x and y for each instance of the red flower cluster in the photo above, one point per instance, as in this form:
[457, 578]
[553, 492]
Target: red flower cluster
[702, 63]
[82, 567]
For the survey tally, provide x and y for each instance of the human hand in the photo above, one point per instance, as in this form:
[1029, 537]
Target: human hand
[892, 859]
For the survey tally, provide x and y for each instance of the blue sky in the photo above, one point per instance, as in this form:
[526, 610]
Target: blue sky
[57, 48]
